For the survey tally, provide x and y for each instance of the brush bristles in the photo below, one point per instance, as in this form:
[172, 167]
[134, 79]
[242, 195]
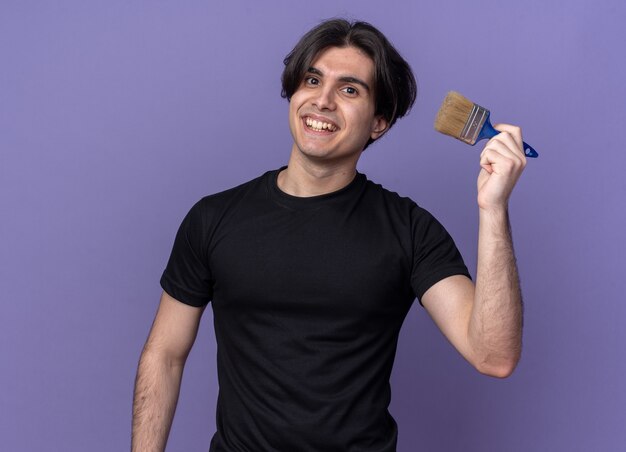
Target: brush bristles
[453, 114]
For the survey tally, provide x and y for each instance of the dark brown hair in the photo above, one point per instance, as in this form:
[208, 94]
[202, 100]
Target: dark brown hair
[394, 84]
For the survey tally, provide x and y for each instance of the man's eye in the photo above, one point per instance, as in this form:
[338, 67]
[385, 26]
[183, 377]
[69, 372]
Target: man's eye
[350, 90]
[311, 81]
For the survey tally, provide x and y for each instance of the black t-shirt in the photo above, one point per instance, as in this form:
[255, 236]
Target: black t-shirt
[308, 298]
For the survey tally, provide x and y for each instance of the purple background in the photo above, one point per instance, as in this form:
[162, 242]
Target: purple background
[115, 117]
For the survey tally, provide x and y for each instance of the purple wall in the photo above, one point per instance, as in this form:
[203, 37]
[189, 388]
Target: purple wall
[115, 117]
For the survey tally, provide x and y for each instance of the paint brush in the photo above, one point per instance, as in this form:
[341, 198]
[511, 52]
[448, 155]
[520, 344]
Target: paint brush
[464, 120]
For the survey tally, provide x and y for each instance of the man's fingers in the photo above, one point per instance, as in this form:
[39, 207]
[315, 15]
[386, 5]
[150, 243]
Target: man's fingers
[506, 144]
[514, 131]
[499, 154]
[499, 146]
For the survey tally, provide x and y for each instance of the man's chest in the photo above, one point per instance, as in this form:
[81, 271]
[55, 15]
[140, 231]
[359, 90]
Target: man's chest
[310, 260]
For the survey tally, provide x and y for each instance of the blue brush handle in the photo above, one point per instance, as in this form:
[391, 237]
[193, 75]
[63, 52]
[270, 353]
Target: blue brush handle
[488, 132]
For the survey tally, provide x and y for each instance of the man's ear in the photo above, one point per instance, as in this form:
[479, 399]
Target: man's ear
[379, 126]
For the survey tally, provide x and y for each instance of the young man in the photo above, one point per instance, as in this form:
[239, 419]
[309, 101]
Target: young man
[312, 268]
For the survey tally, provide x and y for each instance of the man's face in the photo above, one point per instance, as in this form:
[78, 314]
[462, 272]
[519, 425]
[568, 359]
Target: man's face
[331, 114]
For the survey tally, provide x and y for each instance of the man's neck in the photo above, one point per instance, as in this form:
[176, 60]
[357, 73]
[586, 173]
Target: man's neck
[305, 178]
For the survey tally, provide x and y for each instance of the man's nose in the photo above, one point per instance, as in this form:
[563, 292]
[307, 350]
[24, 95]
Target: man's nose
[325, 99]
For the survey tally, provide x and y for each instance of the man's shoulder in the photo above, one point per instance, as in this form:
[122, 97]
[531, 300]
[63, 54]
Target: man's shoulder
[390, 196]
[399, 205]
[230, 195]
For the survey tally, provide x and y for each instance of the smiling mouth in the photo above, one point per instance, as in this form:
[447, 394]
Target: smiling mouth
[319, 126]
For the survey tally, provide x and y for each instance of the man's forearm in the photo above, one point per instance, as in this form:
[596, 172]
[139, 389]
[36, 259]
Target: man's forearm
[156, 393]
[495, 328]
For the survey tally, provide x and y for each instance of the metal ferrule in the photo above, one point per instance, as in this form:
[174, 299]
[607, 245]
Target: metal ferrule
[474, 124]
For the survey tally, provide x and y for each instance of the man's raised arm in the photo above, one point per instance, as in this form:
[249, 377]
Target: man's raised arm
[485, 322]
[160, 372]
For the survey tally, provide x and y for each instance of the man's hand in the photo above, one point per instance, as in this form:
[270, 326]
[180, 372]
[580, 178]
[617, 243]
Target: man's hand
[502, 162]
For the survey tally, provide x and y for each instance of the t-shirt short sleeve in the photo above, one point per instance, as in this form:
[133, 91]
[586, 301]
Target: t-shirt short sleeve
[435, 255]
[187, 276]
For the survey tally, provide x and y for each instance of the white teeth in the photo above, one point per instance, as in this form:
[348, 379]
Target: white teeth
[318, 126]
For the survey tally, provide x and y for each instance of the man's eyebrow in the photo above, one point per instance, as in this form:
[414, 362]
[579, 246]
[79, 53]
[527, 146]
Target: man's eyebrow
[345, 78]
[315, 71]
